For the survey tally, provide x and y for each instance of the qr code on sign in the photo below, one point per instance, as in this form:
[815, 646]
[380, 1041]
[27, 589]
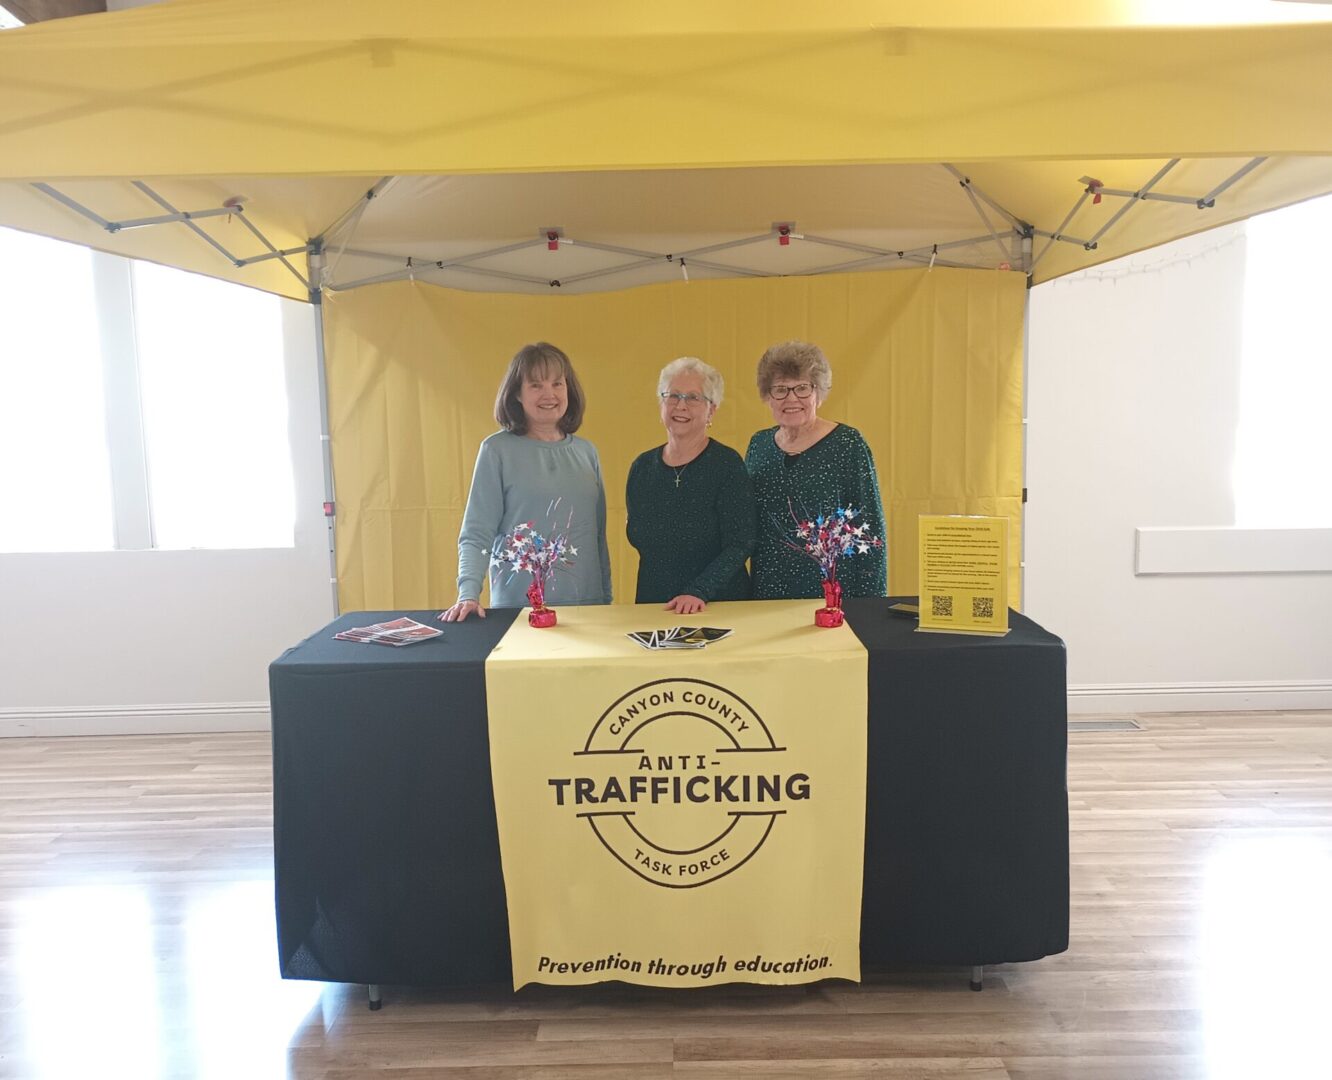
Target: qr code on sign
[941, 605]
[982, 607]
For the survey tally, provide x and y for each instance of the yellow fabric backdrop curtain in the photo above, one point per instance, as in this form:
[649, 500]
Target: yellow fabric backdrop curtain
[927, 364]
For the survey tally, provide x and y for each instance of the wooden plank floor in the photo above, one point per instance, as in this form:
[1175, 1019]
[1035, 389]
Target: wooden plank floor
[136, 939]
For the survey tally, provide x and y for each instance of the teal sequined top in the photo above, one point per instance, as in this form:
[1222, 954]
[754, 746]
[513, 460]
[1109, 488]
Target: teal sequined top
[694, 537]
[837, 471]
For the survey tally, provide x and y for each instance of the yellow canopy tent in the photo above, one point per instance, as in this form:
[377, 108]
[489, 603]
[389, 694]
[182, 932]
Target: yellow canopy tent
[310, 148]
[854, 122]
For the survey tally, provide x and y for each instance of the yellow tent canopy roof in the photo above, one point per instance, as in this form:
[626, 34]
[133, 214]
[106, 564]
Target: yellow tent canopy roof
[838, 117]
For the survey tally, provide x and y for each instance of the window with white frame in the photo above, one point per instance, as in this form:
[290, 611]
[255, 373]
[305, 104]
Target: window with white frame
[139, 406]
[55, 473]
[214, 411]
[1283, 445]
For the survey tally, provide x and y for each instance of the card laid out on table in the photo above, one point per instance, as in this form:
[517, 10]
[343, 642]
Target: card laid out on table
[403, 631]
[679, 637]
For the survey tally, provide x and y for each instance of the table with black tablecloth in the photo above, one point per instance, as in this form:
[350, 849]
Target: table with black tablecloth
[387, 856]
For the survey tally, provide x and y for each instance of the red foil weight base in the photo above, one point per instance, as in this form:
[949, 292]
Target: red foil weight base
[540, 616]
[831, 615]
[828, 616]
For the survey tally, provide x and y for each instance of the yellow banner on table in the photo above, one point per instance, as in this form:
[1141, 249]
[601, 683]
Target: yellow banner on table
[963, 574]
[681, 817]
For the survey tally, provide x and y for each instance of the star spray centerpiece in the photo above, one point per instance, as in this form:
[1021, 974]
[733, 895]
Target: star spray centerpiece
[524, 550]
[828, 538]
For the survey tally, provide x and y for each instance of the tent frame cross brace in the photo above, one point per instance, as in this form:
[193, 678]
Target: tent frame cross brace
[189, 218]
[1095, 190]
[1013, 241]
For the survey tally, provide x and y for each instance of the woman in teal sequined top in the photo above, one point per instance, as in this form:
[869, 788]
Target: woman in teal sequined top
[690, 502]
[804, 466]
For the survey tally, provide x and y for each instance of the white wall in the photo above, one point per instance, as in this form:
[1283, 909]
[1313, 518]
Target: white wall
[1133, 401]
[121, 641]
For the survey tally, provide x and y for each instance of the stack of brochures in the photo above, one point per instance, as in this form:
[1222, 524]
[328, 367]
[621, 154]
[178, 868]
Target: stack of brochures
[402, 631]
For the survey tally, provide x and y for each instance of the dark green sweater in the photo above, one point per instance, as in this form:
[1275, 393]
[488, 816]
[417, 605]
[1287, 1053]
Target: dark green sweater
[692, 538]
[837, 471]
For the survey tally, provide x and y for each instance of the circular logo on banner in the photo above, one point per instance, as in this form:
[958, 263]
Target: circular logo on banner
[681, 781]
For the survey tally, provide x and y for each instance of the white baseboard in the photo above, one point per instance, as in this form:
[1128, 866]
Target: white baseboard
[1199, 697]
[136, 719]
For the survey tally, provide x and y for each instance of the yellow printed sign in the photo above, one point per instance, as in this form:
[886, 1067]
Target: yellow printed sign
[964, 574]
[683, 816]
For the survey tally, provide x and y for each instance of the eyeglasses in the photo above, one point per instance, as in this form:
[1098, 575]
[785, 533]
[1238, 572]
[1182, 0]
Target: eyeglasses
[801, 390]
[684, 399]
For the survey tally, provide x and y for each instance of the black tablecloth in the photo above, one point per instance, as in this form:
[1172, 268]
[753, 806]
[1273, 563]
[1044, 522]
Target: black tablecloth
[387, 855]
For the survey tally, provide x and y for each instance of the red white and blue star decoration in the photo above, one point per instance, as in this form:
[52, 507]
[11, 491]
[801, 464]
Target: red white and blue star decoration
[523, 549]
[828, 537]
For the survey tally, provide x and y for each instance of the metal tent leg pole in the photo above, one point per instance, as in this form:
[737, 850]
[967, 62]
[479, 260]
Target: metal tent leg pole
[316, 265]
[1026, 441]
[977, 977]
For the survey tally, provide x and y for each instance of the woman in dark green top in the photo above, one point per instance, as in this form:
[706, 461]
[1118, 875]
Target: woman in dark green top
[804, 466]
[691, 506]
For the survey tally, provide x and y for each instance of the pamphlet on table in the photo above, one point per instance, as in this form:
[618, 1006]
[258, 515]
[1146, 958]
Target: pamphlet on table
[679, 637]
[403, 631]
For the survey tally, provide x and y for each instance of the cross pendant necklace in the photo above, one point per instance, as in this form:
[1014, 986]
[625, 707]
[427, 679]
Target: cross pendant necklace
[677, 469]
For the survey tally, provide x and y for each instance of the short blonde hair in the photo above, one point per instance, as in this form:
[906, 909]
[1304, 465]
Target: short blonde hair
[794, 360]
[714, 386]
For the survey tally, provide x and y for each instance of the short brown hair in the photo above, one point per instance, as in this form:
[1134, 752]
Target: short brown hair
[529, 360]
[794, 360]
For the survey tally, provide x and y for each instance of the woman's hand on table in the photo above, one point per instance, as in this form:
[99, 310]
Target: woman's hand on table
[684, 604]
[461, 610]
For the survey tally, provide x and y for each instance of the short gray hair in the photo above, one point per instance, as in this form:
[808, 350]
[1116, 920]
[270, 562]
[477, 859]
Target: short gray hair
[714, 386]
[795, 360]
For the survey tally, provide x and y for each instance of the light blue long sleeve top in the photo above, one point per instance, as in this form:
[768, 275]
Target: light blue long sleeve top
[515, 480]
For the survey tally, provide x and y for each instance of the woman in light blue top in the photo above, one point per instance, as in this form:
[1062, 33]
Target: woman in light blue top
[520, 472]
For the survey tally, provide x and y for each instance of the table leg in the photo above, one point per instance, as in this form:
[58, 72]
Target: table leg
[376, 1002]
[977, 977]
